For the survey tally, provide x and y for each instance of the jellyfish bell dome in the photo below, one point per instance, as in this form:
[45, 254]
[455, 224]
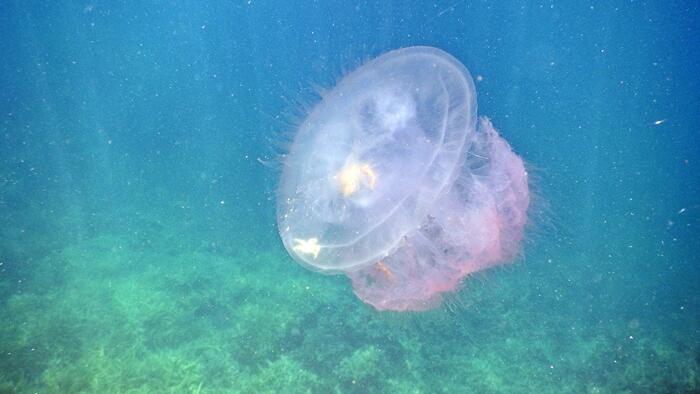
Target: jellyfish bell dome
[391, 181]
[371, 160]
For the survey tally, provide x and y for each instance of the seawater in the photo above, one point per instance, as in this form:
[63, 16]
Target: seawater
[139, 248]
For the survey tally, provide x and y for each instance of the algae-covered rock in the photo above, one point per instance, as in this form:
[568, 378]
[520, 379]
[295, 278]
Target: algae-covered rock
[364, 363]
[284, 375]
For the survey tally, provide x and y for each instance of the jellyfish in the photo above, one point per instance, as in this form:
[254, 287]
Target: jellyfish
[393, 181]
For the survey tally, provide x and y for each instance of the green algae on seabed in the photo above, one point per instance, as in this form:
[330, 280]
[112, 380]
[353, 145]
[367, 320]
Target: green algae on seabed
[123, 316]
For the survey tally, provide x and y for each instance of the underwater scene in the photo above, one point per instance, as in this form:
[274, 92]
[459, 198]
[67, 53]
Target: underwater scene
[349, 197]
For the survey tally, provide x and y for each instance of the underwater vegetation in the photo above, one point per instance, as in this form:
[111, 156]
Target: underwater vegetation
[113, 313]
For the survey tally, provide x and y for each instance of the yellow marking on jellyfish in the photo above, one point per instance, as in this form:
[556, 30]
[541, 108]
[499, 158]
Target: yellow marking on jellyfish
[307, 246]
[353, 175]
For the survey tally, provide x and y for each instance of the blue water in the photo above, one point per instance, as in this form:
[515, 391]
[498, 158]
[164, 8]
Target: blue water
[139, 159]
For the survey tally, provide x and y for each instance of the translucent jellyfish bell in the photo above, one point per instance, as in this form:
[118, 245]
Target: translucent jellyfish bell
[381, 157]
